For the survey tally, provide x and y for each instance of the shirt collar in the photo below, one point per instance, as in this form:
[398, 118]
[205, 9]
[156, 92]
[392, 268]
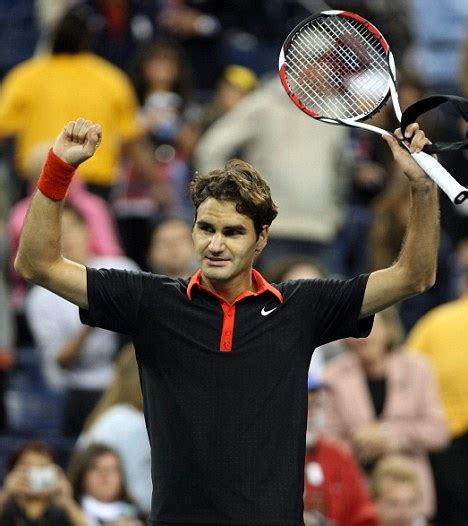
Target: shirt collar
[261, 285]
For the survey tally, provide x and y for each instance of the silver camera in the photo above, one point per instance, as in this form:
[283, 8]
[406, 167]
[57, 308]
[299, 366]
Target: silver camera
[42, 478]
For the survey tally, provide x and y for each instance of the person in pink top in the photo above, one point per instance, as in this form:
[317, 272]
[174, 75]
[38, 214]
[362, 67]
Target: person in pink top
[103, 235]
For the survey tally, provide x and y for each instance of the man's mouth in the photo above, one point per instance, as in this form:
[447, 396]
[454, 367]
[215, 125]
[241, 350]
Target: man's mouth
[216, 262]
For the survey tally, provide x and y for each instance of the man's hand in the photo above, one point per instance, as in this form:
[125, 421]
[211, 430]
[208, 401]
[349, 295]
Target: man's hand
[417, 140]
[78, 141]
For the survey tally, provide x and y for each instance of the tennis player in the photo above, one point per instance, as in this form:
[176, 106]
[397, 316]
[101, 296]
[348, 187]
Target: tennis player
[224, 355]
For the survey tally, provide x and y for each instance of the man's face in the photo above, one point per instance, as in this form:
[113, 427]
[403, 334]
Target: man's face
[398, 504]
[225, 243]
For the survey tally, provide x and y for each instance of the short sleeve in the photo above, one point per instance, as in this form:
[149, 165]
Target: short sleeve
[114, 298]
[338, 307]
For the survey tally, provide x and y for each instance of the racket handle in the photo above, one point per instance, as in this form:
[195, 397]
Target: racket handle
[455, 191]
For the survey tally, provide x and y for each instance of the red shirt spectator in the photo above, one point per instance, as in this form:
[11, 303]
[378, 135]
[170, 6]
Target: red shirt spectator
[335, 486]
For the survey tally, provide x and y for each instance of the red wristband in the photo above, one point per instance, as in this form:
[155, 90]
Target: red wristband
[55, 177]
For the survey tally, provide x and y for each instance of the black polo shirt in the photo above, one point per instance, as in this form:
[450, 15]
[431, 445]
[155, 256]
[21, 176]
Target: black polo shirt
[225, 387]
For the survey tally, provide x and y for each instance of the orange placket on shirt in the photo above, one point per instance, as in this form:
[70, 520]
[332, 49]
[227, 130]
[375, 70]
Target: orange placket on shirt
[227, 331]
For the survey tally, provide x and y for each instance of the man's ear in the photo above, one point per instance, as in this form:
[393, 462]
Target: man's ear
[262, 239]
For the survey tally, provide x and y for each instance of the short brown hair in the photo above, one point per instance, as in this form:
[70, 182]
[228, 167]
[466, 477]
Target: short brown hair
[240, 183]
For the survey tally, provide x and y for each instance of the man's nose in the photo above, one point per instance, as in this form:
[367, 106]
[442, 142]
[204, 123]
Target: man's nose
[217, 242]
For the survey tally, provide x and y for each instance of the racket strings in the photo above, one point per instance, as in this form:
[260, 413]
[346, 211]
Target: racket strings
[337, 68]
[340, 66]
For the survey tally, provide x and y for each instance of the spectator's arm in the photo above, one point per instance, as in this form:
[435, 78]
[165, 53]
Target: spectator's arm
[334, 422]
[188, 22]
[428, 430]
[16, 485]
[63, 497]
[47, 331]
[69, 352]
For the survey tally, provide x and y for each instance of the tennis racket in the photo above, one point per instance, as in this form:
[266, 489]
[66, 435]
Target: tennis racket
[338, 68]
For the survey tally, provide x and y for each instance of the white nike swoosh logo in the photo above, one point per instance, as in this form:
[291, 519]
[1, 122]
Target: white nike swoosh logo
[266, 312]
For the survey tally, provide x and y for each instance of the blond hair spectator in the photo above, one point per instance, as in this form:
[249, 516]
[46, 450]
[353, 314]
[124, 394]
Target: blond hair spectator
[398, 492]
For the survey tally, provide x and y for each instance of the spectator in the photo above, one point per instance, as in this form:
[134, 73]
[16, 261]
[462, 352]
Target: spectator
[335, 489]
[75, 359]
[301, 158]
[398, 493]
[235, 83]
[99, 486]
[170, 118]
[120, 28]
[442, 336]
[163, 83]
[391, 210]
[48, 13]
[171, 249]
[395, 407]
[42, 93]
[36, 491]
[199, 26]
[118, 422]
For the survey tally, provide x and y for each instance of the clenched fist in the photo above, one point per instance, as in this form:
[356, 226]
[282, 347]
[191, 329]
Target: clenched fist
[78, 141]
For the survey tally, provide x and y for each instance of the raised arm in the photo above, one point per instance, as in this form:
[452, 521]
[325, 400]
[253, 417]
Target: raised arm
[39, 258]
[415, 269]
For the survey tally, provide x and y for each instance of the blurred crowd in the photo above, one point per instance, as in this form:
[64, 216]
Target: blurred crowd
[181, 86]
